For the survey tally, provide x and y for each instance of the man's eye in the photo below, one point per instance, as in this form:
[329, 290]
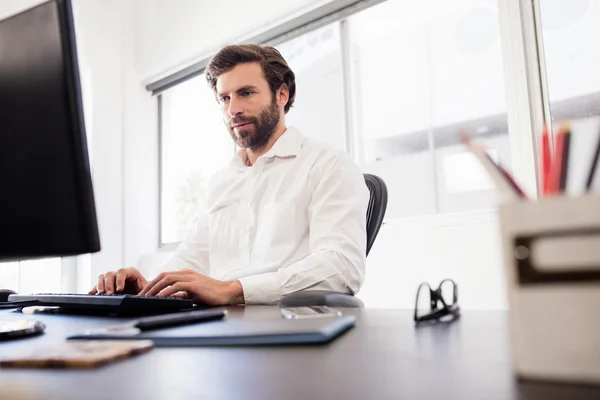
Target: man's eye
[247, 93]
[224, 99]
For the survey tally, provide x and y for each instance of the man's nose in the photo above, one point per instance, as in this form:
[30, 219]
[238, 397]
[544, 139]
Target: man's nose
[235, 109]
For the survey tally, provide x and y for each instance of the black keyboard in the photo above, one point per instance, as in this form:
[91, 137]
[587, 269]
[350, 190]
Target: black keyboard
[121, 304]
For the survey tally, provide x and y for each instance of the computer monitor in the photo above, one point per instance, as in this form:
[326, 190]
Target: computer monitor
[46, 196]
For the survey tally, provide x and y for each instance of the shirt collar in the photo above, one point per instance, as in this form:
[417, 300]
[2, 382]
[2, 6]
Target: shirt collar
[289, 144]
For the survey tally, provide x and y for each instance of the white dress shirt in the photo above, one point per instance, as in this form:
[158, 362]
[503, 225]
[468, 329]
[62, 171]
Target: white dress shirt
[294, 220]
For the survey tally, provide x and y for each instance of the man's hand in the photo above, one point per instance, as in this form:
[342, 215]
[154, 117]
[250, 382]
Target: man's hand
[191, 284]
[127, 280]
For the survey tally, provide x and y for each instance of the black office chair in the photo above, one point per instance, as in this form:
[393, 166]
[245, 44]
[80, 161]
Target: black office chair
[377, 205]
[375, 212]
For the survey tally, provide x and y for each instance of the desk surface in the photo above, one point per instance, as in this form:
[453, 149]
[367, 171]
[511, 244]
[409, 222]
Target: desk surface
[383, 357]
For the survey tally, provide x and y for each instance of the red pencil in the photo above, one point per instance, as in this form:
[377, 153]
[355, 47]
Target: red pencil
[557, 163]
[546, 161]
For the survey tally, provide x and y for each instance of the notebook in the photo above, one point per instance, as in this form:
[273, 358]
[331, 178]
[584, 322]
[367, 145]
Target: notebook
[240, 332]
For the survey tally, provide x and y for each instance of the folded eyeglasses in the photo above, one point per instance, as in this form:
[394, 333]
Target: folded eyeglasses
[443, 306]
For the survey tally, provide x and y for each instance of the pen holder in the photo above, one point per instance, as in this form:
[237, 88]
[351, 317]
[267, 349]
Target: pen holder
[552, 261]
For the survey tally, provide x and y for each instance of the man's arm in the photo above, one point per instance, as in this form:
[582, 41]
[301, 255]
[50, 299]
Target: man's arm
[338, 237]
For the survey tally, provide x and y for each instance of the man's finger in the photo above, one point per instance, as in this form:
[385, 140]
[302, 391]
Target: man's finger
[149, 285]
[180, 295]
[93, 291]
[163, 283]
[121, 278]
[100, 284]
[171, 290]
[153, 282]
[168, 280]
[109, 283]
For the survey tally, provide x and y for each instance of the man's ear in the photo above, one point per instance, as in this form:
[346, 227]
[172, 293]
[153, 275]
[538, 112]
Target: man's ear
[283, 95]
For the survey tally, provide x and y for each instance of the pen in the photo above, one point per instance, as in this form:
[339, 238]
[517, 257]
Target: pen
[504, 181]
[594, 166]
[564, 161]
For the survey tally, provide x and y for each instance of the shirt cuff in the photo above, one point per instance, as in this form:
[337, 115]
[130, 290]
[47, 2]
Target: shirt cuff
[261, 289]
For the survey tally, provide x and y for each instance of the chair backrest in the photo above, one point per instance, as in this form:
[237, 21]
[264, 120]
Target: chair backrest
[377, 205]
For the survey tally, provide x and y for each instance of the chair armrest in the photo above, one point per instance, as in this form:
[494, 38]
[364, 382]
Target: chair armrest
[320, 298]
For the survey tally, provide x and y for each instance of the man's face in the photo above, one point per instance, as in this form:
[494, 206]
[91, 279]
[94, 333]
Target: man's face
[250, 111]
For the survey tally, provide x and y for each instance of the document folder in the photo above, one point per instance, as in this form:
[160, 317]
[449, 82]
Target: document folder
[241, 332]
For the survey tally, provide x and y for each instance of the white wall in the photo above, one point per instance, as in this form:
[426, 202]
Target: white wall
[141, 153]
[176, 32]
[463, 247]
[100, 34]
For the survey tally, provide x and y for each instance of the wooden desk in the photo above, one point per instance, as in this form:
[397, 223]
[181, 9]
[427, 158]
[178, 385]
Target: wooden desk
[383, 357]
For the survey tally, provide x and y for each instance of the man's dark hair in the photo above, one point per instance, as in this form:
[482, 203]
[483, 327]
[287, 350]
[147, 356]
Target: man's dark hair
[274, 67]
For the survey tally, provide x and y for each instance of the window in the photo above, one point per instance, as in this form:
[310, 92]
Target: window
[35, 276]
[316, 59]
[194, 145]
[424, 73]
[572, 60]
[9, 275]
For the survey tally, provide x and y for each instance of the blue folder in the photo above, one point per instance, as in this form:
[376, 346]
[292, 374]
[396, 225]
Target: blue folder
[241, 332]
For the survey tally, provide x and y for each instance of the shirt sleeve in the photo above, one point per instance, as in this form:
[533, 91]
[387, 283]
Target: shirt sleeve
[192, 253]
[338, 237]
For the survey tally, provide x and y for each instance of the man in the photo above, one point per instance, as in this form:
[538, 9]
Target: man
[288, 214]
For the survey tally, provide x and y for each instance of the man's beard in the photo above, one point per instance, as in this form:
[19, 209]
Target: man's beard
[264, 128]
